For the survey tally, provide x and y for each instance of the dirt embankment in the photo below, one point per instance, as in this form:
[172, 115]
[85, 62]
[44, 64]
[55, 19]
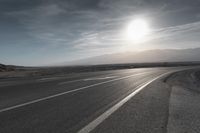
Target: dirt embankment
[197, 76]
[6, 68]
[184, 115]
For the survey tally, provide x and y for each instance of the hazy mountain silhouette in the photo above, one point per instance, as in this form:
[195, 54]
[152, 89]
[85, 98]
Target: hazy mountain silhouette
[157, 55]
[6, 68]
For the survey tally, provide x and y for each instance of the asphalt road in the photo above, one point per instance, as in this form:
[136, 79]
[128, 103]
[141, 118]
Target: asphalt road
[73, 103]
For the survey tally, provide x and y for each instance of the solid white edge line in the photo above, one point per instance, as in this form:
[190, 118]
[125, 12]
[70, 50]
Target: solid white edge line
[67, 92]
[92, 125]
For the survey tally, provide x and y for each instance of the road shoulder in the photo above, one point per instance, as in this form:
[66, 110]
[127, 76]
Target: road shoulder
[145, 112]
[184, 115]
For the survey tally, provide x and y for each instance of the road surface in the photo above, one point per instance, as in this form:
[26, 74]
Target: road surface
[81, 102]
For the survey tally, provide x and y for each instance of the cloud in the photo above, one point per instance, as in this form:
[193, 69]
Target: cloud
[98, 25]
[173, 31]
[61, 23]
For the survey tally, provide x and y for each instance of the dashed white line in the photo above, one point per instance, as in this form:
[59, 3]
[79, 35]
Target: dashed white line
[67, 82]
[49, 78]
[67, 92]
[87, 79]
[100, 78]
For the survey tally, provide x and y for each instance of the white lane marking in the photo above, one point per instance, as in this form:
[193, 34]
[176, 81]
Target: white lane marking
[92, 125]
[94, 78]
[72, 81]
[88, 79]
[61, 77]
[99, 78]
[67, 92]
[50, 78]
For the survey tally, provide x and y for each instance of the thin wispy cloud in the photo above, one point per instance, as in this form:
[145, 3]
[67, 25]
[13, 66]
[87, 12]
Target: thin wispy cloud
[72, 28]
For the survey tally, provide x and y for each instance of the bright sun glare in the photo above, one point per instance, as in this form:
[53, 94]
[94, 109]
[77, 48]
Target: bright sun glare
[137, 30]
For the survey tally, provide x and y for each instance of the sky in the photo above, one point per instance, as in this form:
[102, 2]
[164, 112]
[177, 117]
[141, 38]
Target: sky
[42, 32]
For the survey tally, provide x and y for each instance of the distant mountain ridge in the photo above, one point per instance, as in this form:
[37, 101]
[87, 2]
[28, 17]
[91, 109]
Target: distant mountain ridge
[157, 55]
[4, 68]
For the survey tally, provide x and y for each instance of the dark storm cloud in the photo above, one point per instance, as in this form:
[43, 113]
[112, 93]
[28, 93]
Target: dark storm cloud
[70, 28]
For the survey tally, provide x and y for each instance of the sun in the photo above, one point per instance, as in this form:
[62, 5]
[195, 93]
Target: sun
[137, 30]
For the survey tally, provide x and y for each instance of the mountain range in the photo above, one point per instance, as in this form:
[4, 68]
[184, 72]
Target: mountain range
[147, 56]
